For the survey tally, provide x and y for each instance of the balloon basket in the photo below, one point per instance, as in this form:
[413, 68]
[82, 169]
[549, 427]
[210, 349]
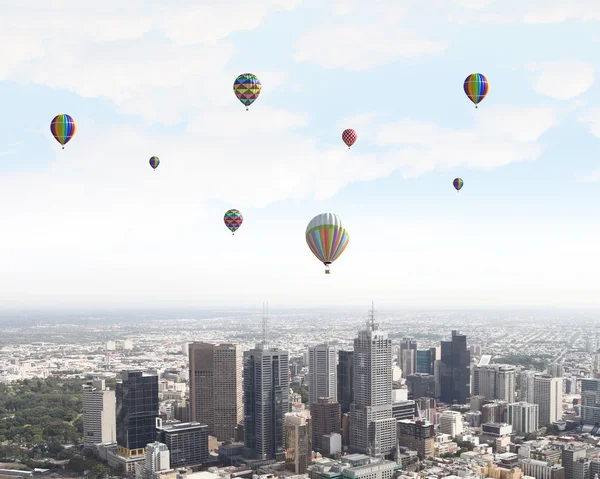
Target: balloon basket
[327, 271]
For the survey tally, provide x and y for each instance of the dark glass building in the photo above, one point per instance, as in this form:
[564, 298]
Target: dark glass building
[266, 400]
[187, 442]
[426, 360]
[345, 373]
[420, 385]
[455, 372]
[137, 409]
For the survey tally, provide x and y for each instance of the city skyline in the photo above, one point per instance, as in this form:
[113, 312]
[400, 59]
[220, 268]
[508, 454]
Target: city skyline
[93, 225]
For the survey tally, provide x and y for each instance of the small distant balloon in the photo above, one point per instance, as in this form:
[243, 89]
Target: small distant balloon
[327, 238]
[63, 128]
[233, 220]
[458, 183]
[247, 87]
[349, 136]
[154, 162]
[476, 87]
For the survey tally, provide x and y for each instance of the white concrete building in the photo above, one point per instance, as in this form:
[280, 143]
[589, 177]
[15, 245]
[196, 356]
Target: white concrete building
[451, 423]
[99, 414]
[524, 417]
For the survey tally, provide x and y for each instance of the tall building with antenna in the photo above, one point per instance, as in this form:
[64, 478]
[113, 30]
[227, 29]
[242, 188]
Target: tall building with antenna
[266, 398]
[372, 426]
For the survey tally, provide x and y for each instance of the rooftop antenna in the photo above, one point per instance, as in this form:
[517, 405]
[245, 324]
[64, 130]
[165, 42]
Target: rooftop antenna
[265, 325]
[371, 324]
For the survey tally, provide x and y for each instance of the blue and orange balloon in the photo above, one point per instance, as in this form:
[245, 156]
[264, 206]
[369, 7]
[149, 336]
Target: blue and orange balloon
[327, 238]
[154, 162]
[458, 183]
[476, 87]
[63, 128]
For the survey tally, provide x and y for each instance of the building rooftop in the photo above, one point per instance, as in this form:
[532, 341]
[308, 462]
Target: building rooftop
[180, 426]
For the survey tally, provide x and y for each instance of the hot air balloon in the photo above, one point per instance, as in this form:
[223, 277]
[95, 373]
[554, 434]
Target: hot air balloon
[63, 128]
[233, 220]
[154, 162]
[247, 88]
[458, 183]
[476, 87]
[349, 136]
[327, 238]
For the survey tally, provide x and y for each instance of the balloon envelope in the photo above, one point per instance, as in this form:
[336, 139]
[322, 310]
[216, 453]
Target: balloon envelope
[327, 238]
[63, 128]
[349, 136]
[476, 87]
[247, 87]
[233, 220]
[458, 183]
[154, 162]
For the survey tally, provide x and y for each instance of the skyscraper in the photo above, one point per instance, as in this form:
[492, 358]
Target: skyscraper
[345, 378]
[326, 419]
[547, 393]
[372, 426]
[524, 417]
[425, 361]
[137, 409]
[322, 373]
[216, 387]
[494, 381]
[266, 398]
[527, 382]
[298, 442]
[187, 442]
[590, 401]
[407, 356]
[99, 414]
[556, 370]
[454, 370]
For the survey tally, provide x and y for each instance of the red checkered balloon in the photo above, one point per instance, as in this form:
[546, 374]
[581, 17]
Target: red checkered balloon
[349, 136]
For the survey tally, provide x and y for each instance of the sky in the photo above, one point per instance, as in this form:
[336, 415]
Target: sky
[94, 225]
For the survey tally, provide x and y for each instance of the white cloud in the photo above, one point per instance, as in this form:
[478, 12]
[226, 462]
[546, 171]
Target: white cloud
[126, 58]
[562, 80]
[562, 11]
[476, 4]
[530, 12]
[591, 117]
[343, 7]
[361, 47]
[502, 135]
[591, 177]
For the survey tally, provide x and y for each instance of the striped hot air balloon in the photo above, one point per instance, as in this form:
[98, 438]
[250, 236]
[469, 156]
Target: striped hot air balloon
[63, 128]
[476, 87]
[327, 238]
[458, 183]
[154, 162]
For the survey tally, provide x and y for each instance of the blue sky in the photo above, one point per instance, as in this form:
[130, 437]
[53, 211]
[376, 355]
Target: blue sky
[93, 225]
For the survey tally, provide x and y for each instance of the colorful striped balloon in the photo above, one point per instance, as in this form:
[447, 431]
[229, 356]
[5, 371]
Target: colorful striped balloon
[63, 128]
[327, 238]
[247, 87]
[233, 220]
[154, 162]
[458, 183]
[476, 87]
[349, 136]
